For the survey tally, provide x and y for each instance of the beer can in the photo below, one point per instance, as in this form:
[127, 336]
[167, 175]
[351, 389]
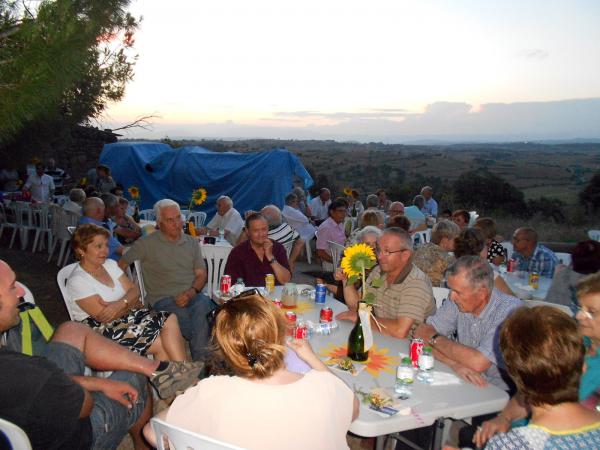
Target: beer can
[534, 280]
[326, 315]
[511, 266]
[270, 282]
[301, 331]
[416, 348]
[320, 292]
[225, 284]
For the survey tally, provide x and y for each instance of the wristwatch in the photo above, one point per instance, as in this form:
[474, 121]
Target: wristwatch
[272, 260]
[433, 339]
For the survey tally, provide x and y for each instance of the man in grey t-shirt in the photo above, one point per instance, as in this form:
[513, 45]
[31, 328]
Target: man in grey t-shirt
[174, 274]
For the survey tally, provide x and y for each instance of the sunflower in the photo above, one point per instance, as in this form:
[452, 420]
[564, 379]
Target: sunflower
[134, 191]
[357, 258]
[348, 191]
[83, 181]
[199, 196]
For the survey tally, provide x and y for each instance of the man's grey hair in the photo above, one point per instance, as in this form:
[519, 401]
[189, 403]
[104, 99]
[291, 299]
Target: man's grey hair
[164, 203]
[227, 200]
[369, 229]
[272, 214]
[426, 188]
[477, 270]
[91, 204]
[77, 195]
[299, 193]
[372, 201]
[290, 198]
[110, 200]
[403, 235]
[419, 201]
[444, 229]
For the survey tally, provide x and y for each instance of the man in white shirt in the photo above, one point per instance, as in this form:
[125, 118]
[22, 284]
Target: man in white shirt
[40, 185]
[431, 206]
[227, 218]
[297, 220]
[319, 206]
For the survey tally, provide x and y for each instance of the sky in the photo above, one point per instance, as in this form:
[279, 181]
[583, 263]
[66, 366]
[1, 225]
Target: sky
[391, 71]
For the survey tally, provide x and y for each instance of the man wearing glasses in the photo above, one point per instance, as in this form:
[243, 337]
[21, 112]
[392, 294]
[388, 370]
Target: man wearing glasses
[405, 298]
[531, 256]
[174, 274]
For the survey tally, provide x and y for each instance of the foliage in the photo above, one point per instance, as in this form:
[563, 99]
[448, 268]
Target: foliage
[548, 208]
[484, 191]
[590, 195]
[62, 62]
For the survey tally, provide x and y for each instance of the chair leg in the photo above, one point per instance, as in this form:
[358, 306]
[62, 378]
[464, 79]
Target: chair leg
[67, 255]
[51, 250]
[308, 253]
[36, 239]
[63, 247]
[12, 240]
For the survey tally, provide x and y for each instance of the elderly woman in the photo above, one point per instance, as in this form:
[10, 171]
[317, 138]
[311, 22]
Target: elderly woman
[264, 406]
[495, 251]
[471, 241]
[434, 257]
[106, 300]
[127, 231]
[367, 219]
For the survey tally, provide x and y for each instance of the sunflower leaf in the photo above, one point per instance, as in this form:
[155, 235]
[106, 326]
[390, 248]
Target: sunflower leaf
[353, 279]
[376, 282]
[369, 298]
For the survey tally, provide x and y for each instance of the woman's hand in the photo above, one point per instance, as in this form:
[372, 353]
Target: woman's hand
[111, 311]
[306, 354]
[489, 428]
[339, 275]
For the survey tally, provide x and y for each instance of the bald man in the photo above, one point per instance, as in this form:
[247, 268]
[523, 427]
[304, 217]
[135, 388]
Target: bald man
[94, 212]
[531, 256]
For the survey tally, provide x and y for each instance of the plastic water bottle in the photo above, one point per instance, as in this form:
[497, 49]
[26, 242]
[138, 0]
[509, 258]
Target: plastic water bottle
[324, 328]
[404, 379]
[221, 234]
[238, 287]
[426, 362]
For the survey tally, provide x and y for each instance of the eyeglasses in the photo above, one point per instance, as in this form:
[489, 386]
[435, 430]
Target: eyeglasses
[212, 315]
[171, 219]
[389, 252]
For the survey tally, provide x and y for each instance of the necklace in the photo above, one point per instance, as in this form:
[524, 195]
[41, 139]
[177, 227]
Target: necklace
[93, 273]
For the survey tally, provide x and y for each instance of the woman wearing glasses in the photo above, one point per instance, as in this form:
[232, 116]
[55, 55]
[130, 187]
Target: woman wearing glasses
[264, 405]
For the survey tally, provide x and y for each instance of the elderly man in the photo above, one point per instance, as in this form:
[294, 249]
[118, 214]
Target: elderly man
[531, 256]
[396, 209]
[319, 206]
[405, 299]
[372, 203]
[75, 202]
[48, 396]
[434, 257]
[476, 312]
[40, 185]
[253, 259]
[94, 211]
[297, 220]
[227, 218]
[431, 206]
[174, 274]
[415, 215]
[332, 230]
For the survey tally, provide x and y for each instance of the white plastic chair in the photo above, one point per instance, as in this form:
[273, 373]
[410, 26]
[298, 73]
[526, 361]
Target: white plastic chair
[176, 438]
[28, 297]
[147, 214]
[139, 279]
[216, 258]
[594, 235]
[335, 250]
[564, 258]
[440, 294]
[473, 218]
[508, 247]
[15, 435]
[61, 223]
[424, 236]
[198, 217]
[42, 225]
[563, 308]
[24, 224]
[61, 278]
[4, 221]
[288, 245]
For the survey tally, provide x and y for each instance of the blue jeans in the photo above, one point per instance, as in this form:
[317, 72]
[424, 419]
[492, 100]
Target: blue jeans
[110, 420]
[192, 321]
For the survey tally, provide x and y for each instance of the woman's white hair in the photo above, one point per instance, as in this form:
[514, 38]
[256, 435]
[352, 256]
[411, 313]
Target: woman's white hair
[164, 203]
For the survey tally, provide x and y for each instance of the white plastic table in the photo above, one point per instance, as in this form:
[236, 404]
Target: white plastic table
[436, 402]
[519, 284]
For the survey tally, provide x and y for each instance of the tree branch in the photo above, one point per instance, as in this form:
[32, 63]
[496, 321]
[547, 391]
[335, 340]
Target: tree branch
[141, 122]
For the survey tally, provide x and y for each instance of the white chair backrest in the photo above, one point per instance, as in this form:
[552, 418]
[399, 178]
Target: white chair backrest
[336, 251]
[563, 308]
[594, 235]
[139, 279]
[440, 294]
[15, 435]
[424, 236]
[509, 248]
[180, 439]
[71, 230]
[288, 245]
[473, 217]
[147, 214]
[216, 258]
[564, 258]
[28, 297]
[198, 217]
[61, 278]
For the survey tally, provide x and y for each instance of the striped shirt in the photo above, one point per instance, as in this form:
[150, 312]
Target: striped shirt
[479, 332]
[283, 233]
[543, 261]
[409, 296]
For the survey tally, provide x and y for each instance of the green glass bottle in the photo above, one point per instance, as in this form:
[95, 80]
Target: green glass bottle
[356, 343]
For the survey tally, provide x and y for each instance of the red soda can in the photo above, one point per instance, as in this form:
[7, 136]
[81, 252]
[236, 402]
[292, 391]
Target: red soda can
[301, 331]
[511, 266]
[416, 348]
[225, 284]
[290, 318]
[277, 303]
[326, 315]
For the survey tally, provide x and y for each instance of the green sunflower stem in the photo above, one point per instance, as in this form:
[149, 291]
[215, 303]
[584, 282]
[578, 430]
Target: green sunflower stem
[364, 284]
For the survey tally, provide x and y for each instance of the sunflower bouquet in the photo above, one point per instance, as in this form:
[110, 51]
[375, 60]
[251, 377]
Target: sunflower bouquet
[198, 197]
[134, 192]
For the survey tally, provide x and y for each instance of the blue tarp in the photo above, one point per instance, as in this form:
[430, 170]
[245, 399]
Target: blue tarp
[252, 180]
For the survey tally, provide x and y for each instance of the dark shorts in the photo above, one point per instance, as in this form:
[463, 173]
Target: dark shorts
[110, 420]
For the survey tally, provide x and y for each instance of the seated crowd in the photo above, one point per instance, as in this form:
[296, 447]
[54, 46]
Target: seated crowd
[238, 350]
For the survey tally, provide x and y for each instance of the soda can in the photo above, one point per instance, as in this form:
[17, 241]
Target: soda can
[416, 348]
[290, 317]
[326, 315]
[225, 284]
[270, 282]
[320, 292]
[301, 331]
[534, 280]
[511, 266]
[277, 303]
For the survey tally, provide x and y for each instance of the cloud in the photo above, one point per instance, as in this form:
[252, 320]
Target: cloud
[537, 54]
[343, 115]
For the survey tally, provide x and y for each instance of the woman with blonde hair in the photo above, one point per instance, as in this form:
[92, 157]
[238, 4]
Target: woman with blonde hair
[264, 405]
